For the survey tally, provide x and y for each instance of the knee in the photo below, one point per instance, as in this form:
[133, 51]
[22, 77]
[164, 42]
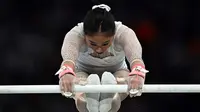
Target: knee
[116, 103]
[80, 103]
[79, 98]
[81, 74]
[82, 77]
[121, 76]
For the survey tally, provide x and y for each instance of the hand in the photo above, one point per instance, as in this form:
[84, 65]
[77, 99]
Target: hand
[135, 84]
[66, 84]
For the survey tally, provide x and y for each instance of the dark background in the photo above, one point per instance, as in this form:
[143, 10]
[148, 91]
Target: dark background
[32, 32]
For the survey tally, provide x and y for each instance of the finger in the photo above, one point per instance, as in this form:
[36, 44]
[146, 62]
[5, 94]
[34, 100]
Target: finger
[139, 93]
[69, 86]
[134, 91]
[121, 80]
[139, 90]
[133, 87]
[73, 82]
[65, 85]
[135, 82]
[62, 89]
[131, 95]
[129, 87]
[67, 94]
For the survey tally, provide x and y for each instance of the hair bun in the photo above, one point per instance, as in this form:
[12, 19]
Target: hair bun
[102, 6]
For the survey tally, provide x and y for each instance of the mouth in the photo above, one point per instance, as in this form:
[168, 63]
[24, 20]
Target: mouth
[99, 53]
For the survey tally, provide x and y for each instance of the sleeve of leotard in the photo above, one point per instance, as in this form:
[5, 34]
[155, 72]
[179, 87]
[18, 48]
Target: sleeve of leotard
[71, 45]
[131, 45]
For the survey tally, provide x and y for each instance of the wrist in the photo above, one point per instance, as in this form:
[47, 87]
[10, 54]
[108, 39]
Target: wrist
[138, 69]
[65, 69]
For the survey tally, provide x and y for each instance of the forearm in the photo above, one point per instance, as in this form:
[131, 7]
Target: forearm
[133, 50]
[132, 47]
[70, 49]
[70, 52]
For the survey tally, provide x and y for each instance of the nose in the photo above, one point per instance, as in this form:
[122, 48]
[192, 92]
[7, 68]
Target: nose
[99, 50]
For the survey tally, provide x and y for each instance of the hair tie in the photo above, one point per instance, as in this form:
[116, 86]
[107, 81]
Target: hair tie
[102, 6]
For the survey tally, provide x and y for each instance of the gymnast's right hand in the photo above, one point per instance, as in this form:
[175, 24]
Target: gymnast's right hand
[66, 84]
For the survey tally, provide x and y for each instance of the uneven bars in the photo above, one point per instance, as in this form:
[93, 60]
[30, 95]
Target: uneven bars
[148, 88]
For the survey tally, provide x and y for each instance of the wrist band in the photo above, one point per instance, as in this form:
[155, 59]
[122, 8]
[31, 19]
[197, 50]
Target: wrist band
[138, 69]
[64, 70]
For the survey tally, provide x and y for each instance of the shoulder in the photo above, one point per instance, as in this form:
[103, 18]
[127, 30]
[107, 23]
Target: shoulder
[123, 34]
[121, 28]
[78, 29]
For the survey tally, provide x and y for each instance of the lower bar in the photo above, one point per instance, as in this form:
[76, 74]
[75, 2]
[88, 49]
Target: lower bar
[148, 88]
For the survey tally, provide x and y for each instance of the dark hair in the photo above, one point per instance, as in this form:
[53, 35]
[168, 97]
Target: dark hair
[99, 20]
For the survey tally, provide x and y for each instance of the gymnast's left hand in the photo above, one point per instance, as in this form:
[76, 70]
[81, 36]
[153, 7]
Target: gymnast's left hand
[135, 85]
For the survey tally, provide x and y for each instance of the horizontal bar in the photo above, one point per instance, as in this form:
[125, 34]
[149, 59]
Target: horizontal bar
[148, 88]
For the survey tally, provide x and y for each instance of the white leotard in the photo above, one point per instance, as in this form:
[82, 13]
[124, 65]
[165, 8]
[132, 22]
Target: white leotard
[125, 44]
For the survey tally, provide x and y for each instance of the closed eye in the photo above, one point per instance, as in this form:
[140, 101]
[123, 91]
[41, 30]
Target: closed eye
[93, 44]
[105, 44]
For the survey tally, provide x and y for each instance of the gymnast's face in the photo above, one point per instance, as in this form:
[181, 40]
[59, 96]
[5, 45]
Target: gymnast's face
[99, 42]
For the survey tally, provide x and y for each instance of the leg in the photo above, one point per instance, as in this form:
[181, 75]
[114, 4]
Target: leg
[80, 102]
[119, 97]
[116, 103]
[79, 97]
[111, 102]
[108, 100]
[121, 74]
[92, 99]
[88, 102]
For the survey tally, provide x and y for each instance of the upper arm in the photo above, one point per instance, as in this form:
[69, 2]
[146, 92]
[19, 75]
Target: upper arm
[71, 45]
[131, 46]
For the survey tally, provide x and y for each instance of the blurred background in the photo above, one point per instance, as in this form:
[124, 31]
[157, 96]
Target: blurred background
[32, 32]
